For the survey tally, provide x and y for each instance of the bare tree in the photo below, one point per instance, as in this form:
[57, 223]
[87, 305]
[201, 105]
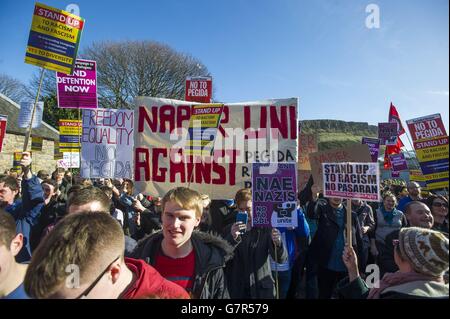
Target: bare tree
[12, 88]
[140, 68]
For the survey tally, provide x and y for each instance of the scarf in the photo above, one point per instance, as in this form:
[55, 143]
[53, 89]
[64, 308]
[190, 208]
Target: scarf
[399, 278]
[388, 215]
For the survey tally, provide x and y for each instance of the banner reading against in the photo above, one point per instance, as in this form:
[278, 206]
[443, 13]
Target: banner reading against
[54, 38]
[26, 110]
[199, 89]
[374, 147]
[398, 162]
[80, 89]
[307, 143]
[3, 123]
[262, 131]
[203, 129]
[356, 153]
[387, 133]
[351, 180]
[107, 140]
[36, 143]
[274, 195]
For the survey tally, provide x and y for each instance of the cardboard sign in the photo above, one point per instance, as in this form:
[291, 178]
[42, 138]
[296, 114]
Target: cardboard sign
[71, 159]
[302, 179]
[107, 140]
[432, 155]
[274, 195]
[307, 143]
[395, 174]
[426, 127]
[36, 143]
[54, 38]
[261, 131]
[199, 89]
[374, 147]
[356, 153]
[205, 119]
[80, 89]
[387, 133]
[398, 162]
[351, 180]
[3, 123]
[26, 110]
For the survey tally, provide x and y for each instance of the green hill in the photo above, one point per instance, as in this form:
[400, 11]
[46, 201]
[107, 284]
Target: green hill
[337, 134]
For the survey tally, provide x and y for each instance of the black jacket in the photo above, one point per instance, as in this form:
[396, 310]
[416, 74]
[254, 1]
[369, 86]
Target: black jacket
[249, 273]
[211, 254]
[327, 232]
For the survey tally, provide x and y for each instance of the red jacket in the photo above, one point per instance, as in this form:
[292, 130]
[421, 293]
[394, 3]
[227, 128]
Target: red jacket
[150, 284]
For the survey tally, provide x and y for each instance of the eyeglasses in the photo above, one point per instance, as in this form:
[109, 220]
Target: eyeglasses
[95, 282]
[437, 204]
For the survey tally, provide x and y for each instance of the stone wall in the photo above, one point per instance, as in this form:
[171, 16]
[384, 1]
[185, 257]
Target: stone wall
[41, 160]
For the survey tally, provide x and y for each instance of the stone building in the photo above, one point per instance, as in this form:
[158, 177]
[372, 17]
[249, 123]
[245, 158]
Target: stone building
[15, 137]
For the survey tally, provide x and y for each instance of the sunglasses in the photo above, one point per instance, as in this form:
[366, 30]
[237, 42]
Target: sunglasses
[437, 204]
[95, 282]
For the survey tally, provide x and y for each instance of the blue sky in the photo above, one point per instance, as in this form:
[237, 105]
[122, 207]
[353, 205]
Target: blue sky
[318, 50]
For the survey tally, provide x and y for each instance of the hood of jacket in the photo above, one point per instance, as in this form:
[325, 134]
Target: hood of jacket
[150, 284]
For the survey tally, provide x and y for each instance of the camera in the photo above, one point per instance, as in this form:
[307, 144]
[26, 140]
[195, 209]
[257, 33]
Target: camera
[126, 200]
[284, 210]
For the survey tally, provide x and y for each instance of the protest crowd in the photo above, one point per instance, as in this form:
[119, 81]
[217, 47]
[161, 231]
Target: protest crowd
[182, 244]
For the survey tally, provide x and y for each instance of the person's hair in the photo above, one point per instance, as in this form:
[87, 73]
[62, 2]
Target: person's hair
[243, 195]
[10, 182]
[206, 200]
[86, 182]
[432, 198]
[89, 240]
[90, 194]
[7, 228]
[43, 174]
[413, 184]
[57, 171]
[107, 190]
[185, 198]
[74, 189]
[408, 207]
[50, 182]
[131, 185]
[389, 194]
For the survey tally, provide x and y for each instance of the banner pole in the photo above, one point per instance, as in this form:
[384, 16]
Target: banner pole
[30, 127]
[277, 288]
[349, 222]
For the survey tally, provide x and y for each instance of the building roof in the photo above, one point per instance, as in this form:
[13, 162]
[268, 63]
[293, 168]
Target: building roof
[11, 109]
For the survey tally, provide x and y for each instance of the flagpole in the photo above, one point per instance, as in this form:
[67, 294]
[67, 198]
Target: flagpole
[30, 127]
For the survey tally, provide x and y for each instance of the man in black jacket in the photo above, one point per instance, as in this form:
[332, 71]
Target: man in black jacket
[193, 260]
[328, 243]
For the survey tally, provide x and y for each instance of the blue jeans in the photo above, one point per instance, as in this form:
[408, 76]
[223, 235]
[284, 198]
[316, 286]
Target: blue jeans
[284, 281]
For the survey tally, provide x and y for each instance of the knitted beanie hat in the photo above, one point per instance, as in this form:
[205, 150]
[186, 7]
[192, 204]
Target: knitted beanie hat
[425, 249]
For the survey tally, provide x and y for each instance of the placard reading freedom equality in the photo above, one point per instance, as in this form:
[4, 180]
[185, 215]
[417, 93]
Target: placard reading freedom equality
[351, 180]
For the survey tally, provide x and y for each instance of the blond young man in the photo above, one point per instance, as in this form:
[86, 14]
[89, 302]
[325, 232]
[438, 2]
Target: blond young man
[83, 257]
[193, 259]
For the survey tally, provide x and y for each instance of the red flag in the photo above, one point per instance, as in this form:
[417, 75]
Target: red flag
[394, 117]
